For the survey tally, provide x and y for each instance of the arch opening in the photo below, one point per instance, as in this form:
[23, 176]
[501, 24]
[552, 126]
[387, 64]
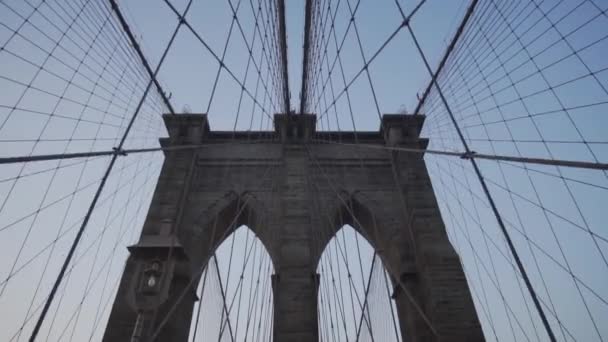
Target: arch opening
[235, 297]
[354, 299]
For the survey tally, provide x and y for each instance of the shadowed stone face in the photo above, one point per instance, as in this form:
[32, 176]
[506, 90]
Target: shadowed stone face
[295, 190]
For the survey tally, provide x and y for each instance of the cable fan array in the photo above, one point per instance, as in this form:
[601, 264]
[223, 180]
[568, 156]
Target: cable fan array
[514, 99]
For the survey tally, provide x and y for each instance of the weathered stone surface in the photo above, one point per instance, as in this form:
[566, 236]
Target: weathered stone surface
[295, 193]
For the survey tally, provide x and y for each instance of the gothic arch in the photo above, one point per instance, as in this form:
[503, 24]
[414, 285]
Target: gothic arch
[206, 229]
[357, 307]
[365, 216]
[224, 305]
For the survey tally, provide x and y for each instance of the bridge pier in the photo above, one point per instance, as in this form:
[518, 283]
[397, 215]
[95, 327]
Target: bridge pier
[295, 283]
[294, 193]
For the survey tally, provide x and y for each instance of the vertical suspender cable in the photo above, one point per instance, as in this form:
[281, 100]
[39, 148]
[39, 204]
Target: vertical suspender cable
[306, 59]
[283, 53]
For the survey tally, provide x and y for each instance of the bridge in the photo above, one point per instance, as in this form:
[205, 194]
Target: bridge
[330, 170]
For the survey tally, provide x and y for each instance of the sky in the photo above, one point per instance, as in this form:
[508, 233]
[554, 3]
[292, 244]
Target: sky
[190, 71]
[534, 89]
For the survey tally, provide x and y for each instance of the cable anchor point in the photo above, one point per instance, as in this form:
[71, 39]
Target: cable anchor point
[468, 155]
[119, 151]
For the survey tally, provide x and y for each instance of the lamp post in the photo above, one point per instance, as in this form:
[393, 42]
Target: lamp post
[156, 259]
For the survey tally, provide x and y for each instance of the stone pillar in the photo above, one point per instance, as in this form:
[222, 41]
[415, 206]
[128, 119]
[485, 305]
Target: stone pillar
[295, 283]
[438, 283]
[158, 271]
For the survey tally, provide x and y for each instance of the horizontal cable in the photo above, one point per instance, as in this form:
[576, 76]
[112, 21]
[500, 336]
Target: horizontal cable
[114, 151]
[463, 155]
[474, 155]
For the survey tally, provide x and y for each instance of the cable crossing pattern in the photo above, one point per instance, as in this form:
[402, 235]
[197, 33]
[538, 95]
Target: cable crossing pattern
[514, 96]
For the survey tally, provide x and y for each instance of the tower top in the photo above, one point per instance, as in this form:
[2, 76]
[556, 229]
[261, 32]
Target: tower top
[394, 130]
[300, 127]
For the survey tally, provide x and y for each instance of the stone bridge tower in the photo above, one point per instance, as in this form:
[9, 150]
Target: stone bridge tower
[294, 192]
